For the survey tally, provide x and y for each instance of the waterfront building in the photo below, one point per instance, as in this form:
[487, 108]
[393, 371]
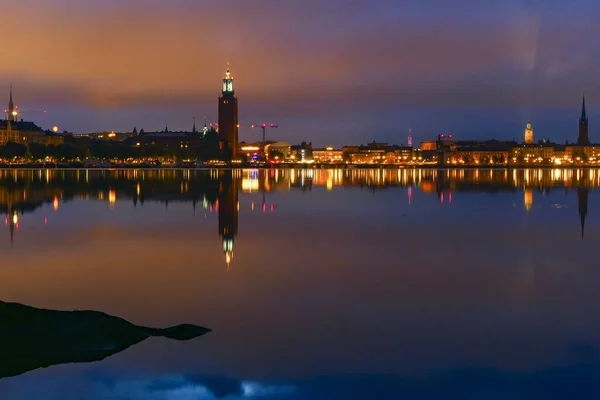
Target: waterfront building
[473, 152]
[252, 151]
[533, 153]
[168, 140]
[429, 145]
[13, 129]
[529, 133]
[284, 148]
[328, 155]
[302, 153]
[583, 151]
[228, 114]
[379, 153]
[474, 156]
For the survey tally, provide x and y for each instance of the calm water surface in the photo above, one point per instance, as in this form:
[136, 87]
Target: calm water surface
[324, 284]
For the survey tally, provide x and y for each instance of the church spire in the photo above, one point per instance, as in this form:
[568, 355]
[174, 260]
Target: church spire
[11, 106]
[194, 127]
[583, 138]
[583, 118]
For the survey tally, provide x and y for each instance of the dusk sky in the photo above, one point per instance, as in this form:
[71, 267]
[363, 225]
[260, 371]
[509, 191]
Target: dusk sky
[327, 71]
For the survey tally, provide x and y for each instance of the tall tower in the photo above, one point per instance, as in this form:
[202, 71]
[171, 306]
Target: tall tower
[11, 107]
[583, 126]
[528, 133]
[228, 114]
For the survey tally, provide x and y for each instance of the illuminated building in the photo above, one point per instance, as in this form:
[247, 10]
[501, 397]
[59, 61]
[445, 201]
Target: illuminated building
[583, 137]
[380, 153]
[252, 151]
[429, 145]
[228, 213]
[284, 148]
[302, 153]
[532, 153]
[228, 114]
[328, 156]
[528, 133]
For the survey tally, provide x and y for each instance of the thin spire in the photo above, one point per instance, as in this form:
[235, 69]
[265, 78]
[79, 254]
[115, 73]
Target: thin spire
[194, 127]
[583, 116]
[11, 106]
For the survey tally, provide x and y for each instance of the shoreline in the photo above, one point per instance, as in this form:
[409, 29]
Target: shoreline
[294, 167]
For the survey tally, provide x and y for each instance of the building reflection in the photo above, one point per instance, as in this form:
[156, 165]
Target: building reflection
[228, 209]
[220, 191]
[582, 200]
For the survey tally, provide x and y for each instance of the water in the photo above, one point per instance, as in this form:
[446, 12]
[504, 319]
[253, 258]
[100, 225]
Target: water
[356, 284]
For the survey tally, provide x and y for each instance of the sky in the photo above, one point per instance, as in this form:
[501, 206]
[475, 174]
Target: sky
[327, 71]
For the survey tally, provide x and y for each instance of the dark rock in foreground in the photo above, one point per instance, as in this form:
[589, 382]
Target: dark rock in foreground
[32, 338]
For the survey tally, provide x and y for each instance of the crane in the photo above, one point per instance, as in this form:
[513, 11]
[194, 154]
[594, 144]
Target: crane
[264, 129]
[16, 112]
[263, 126]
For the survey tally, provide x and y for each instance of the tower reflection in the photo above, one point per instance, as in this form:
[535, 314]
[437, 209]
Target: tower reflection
[582, 199]
[228, 212]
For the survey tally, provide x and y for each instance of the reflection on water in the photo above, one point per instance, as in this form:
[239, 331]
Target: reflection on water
[23, 191]
[325, 284]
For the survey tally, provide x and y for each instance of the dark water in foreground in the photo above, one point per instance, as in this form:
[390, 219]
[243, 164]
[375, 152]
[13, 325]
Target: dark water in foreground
[377, 284]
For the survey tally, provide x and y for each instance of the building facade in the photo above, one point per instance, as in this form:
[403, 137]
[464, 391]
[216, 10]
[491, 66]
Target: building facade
[328, 156]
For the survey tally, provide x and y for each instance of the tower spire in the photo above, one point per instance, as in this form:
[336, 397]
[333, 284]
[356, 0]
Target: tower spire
[11, 106]
[194, 128]
[583, 138]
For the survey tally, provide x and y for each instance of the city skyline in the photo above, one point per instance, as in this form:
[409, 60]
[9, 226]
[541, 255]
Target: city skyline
[323, 71]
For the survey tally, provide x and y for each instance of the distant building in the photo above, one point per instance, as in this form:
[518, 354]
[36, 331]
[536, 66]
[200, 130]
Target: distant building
[528, 133]
[474, 152]
[284, 148]
[168, 140]
[228, 114]
[529, 153]
[302, 153]
[583, 151]
[328, 156]
[251, 150]
[19, 131]
[380, 153]
[429, 145]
